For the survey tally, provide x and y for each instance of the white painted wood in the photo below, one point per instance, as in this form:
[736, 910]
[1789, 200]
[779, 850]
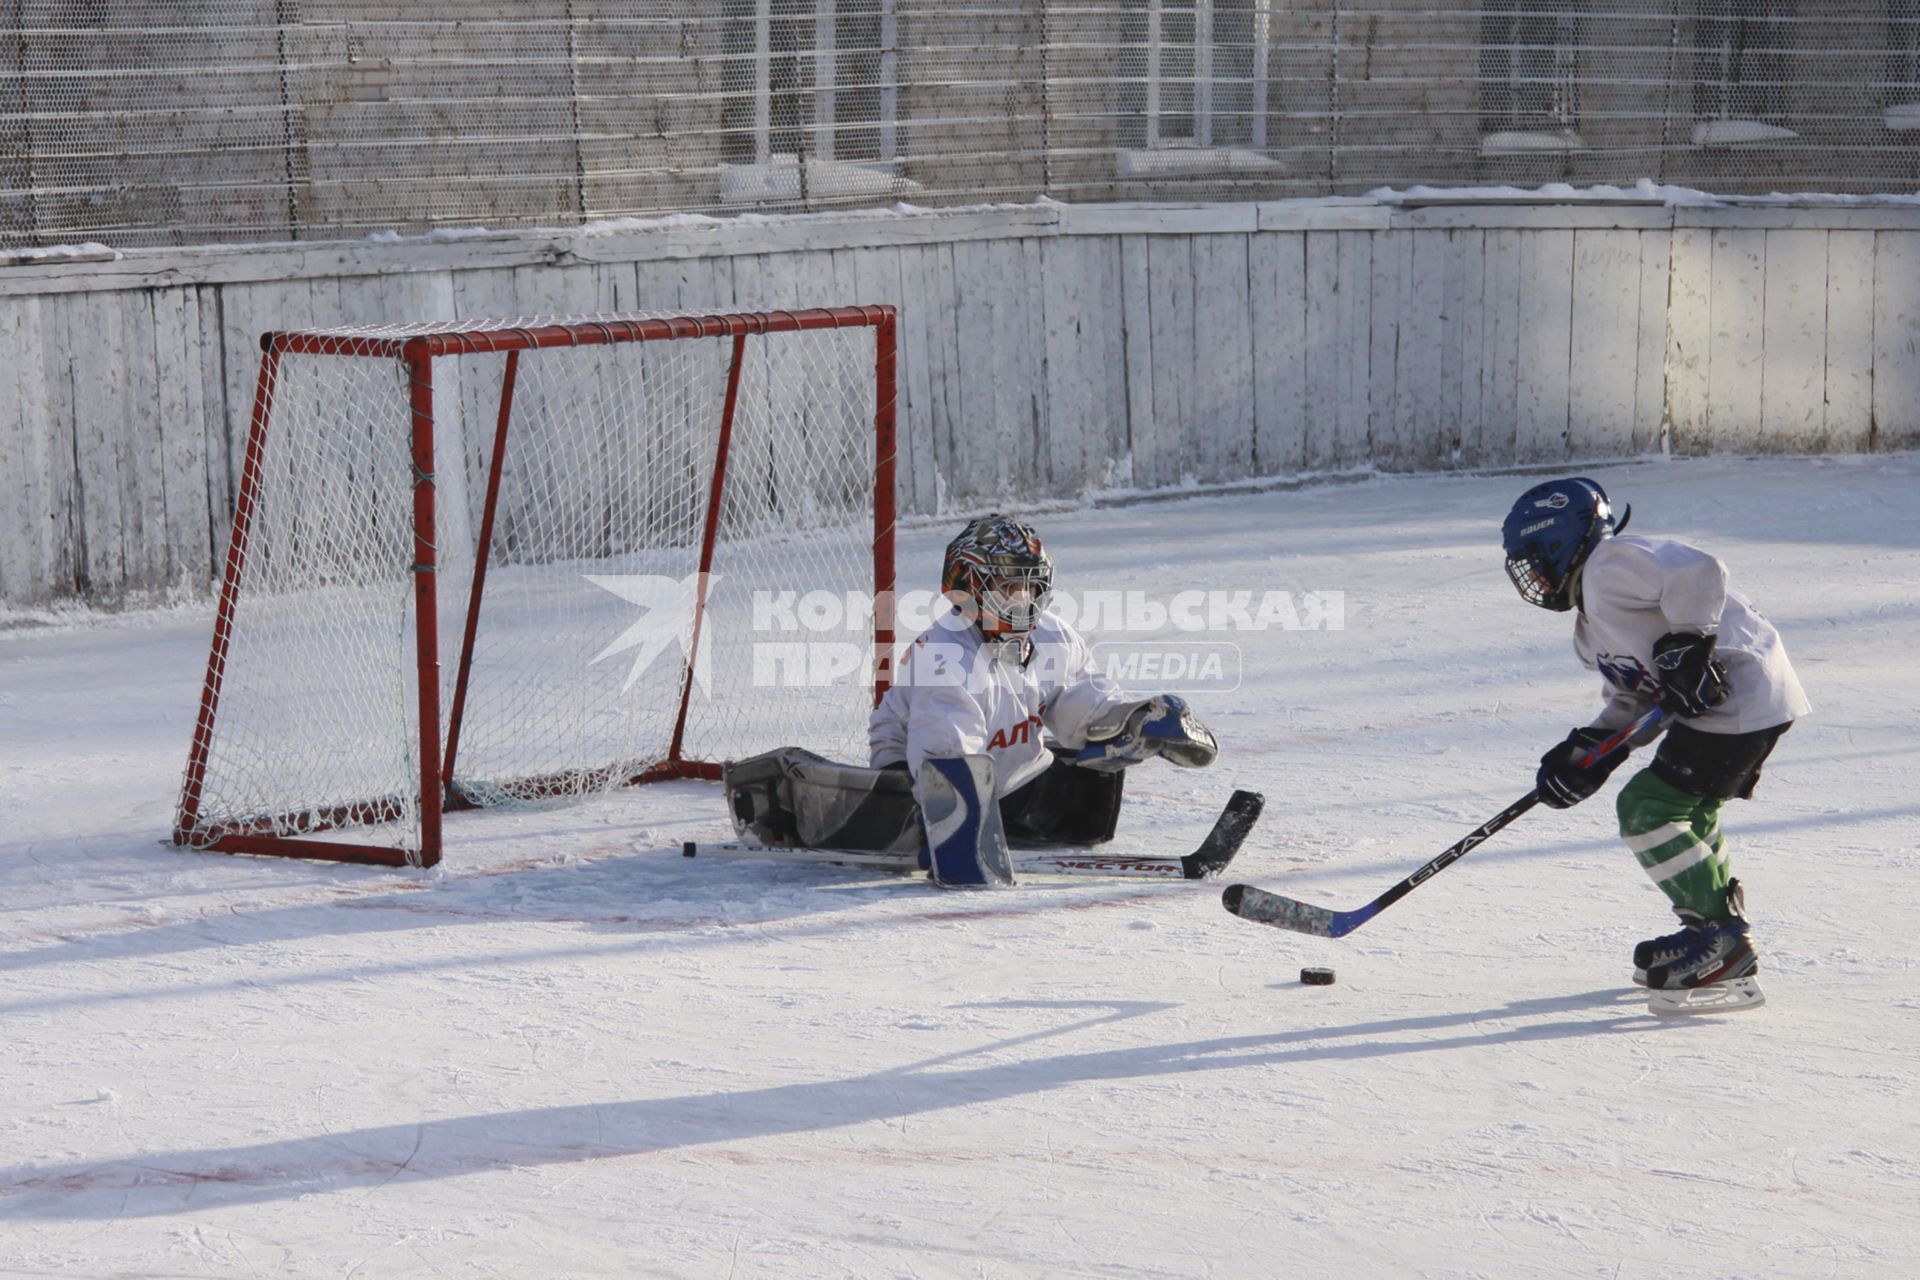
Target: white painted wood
[1170, 289]
[135, 405]
[1467, 317]
[1896, 342]
[1339, 213]
[67, 563]
[214, 359]
[27, 521]
[1605, 339]
[1689, 340]
[999, 324]
[1029, 352]
[1355, 348]
[1277, 275]
[633, 240]
[1323, 344]
[1135, 309]
[653, 287]
[919, 373]
[1650, 360]
[1812, 217]
[952, 436]
[1108, 458]
[1542, 402]
[1042, 354]
[1850, 342]
[1424, 392]
[871, 277]
[91, 337]
[183, 420]
[985, 457]
[1738, 345]
[1221, 424]
[1497, 440]
[1456, 343]
[1390, 265]
[1550, 217]
[1158, 219]
[1793, 371]
[1077, 362]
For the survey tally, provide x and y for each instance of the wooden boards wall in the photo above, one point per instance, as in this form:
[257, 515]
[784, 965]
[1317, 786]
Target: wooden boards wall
[1045, 351]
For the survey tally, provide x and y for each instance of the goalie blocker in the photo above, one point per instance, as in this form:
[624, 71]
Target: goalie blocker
[792, 796]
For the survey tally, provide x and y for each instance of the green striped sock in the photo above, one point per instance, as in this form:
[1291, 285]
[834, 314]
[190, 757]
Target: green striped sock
[1677, 838]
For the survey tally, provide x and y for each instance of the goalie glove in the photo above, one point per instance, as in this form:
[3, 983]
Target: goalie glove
[1161, 726]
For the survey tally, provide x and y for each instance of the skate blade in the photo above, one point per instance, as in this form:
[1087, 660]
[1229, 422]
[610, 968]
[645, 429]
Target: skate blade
[1715, 997]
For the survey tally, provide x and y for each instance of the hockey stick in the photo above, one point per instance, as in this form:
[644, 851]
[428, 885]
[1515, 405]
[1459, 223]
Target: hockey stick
[1263, 907]
[1215, 852]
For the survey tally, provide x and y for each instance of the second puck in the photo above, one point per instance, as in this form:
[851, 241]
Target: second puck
[1317, 977]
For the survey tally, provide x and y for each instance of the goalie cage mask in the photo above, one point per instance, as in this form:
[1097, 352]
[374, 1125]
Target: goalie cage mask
[997, 573]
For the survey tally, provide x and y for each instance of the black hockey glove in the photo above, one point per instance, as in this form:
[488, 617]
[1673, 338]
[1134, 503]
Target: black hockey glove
[1692, 681]
[1561, 782]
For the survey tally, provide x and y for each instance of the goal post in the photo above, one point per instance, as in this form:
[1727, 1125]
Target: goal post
[643, 545]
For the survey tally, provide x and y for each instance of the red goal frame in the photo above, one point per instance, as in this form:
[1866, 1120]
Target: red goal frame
[437, 794]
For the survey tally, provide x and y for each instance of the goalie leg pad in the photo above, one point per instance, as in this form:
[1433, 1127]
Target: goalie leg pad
[791, 796]
[965, 842]
[1065, 805]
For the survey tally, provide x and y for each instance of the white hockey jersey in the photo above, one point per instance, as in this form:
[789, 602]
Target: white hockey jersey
[952, 696]
[1633, 590]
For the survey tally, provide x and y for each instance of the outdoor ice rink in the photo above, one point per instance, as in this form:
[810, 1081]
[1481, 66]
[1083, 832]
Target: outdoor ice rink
[570, 1052]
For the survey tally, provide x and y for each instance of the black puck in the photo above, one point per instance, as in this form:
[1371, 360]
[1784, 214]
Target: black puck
[1317, 977]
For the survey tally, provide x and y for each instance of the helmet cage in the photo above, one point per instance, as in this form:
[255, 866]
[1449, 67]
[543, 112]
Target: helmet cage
[1533, 578]
[1548, 536]
[1013, 598]
[999, 575]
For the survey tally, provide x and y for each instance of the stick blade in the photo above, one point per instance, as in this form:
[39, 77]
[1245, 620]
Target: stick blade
[1262, 907]
[1229, 832]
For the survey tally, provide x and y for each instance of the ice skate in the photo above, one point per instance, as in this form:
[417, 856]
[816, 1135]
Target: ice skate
[1668, 947]
[1708, 966]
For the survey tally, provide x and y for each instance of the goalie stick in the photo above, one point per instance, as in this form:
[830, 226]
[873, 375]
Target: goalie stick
[1215, 852]
[1264, 907]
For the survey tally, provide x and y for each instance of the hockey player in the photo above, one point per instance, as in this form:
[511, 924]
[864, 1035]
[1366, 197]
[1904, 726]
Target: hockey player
[1656, 619]
[960, 755]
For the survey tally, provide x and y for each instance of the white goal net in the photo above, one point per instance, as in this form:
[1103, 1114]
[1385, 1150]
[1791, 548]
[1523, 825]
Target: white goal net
[512, 560]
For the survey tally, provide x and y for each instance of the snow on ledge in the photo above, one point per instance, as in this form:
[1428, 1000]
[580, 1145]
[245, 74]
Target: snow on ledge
[779, 179]
[1645, 191]
[1521, 143]
[1903, 115]
[1736, 133]
[659, 237]
[1190, 161]
[87, 252]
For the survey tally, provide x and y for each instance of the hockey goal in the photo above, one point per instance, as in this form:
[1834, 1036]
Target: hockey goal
[505, 561]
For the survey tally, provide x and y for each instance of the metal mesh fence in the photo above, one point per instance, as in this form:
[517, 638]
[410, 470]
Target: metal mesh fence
[143, 122]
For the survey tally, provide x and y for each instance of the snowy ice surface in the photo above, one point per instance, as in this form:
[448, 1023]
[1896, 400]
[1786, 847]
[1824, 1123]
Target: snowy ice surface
[571, 1052]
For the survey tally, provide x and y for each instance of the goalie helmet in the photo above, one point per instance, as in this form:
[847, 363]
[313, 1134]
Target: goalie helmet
[1549, 534]
[997, 573]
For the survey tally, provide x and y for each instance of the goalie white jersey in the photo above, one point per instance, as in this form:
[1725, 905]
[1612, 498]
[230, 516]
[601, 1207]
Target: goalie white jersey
[1634, 589]
[955, 695]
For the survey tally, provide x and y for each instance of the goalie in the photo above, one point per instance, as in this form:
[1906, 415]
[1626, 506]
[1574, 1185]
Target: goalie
[960, 760]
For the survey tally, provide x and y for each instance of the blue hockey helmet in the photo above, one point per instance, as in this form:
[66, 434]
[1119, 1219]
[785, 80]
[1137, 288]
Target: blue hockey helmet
[1549, 534]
